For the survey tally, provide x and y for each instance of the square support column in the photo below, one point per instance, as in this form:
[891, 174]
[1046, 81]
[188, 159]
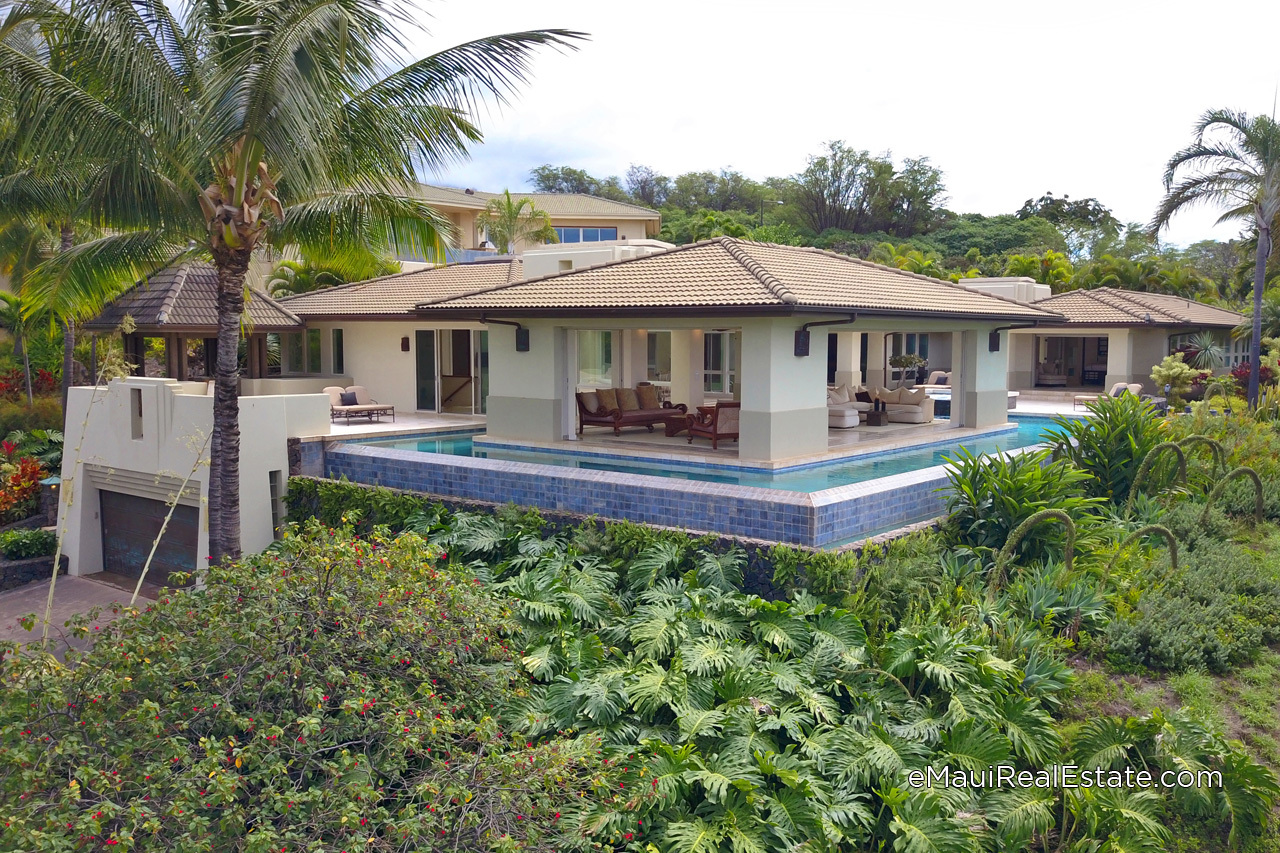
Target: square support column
[528, 390]
[1022, 360]
[686, 367]
[877, 376]
[848, 358]
[784, 402]
[1120, 358]
[981, 392]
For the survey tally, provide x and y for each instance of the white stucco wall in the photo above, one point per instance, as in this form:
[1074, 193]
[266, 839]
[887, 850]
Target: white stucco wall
[174, 430]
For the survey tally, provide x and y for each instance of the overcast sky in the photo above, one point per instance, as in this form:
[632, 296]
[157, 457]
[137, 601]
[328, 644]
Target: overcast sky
[1011, 100]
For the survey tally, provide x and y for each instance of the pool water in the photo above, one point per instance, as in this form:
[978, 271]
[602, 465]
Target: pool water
[812, 478]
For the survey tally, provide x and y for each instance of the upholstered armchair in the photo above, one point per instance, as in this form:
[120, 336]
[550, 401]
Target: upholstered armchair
[716, 424]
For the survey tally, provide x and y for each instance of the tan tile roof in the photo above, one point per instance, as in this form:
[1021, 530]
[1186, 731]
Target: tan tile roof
[399, 293]
[557, 205]
[1107, 306]
[185, 296]
[729, 273]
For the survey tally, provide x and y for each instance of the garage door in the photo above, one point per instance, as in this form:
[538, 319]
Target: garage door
[130, 525]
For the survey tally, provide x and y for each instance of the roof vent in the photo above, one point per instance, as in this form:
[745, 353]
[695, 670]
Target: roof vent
[469, 191]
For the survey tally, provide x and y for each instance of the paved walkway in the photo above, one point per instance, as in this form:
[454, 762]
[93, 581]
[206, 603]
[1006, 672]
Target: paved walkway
[72, 595]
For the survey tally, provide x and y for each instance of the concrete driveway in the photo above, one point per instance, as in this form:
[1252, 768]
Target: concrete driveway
[72, 595]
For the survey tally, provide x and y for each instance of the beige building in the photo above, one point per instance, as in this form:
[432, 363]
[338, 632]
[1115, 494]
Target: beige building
[577, 218]
[1110, 336]
[728, 317]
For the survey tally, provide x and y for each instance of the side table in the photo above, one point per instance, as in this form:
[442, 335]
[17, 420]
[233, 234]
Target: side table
[675, 424]
[876, 418]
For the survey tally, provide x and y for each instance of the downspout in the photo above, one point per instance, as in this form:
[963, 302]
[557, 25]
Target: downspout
[802, 333]
[522, 334]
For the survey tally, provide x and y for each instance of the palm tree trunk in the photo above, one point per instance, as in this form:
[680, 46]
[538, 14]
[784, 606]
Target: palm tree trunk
[68, 236]
[224, 474]
[1259, 279]
[26, 365]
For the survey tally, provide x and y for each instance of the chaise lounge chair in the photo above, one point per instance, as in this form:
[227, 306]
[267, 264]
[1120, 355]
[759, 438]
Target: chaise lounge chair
[1117, 389]
[363, 407]
[719, 423]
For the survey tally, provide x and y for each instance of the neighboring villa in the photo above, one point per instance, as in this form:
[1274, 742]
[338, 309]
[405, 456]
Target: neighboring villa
[577, 218]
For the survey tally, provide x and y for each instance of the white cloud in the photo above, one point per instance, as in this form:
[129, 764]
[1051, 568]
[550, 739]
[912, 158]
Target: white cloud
[1010, 99]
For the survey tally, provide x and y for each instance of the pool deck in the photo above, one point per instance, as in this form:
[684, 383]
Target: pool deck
[640, 444]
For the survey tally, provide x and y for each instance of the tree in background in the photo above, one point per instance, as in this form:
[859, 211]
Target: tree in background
[564, 179]
[1051, 268]
[836, 189]
[1085, 223]
[509, 222]
[1233, 162]
[206, 131]
[647, 187]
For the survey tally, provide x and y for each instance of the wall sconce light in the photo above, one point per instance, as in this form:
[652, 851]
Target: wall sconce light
[404, 344]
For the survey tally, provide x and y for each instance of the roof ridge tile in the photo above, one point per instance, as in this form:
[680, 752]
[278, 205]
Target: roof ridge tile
[171, 295]
[768, 279]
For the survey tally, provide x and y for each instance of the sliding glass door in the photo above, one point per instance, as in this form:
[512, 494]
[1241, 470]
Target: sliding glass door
[425, 351]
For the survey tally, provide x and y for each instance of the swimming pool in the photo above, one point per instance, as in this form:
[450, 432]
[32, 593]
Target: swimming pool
[817, 477]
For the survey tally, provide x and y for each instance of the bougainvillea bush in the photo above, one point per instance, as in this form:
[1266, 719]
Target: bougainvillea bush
[335, 694]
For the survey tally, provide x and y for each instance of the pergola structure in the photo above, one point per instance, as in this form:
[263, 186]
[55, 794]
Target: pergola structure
[179, 304]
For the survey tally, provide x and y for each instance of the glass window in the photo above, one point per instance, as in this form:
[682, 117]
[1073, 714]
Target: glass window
[585, 235]
[591, 235]
[293, 361]
[608, 233]
[719, 360]
[313, 351]
[339, 361]
[569, 235]
[595, 358]
[659, 357]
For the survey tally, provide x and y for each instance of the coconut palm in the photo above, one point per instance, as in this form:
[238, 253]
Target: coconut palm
[510, 222]
[220, 128]
[1233, 162]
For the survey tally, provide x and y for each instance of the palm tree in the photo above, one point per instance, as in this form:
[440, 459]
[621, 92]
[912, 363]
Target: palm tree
[290, 278]
[1234, 162]
[245, 124]
[1053, 268]
[510, 222]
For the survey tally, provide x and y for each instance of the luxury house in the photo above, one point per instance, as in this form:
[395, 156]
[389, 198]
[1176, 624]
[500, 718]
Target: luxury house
[690, 386]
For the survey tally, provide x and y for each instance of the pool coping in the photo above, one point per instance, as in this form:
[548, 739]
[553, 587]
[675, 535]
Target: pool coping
[700, 464]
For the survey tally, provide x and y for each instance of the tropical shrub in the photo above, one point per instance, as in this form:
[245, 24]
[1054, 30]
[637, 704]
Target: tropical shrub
[989, 496]
[1177, 376]
[43, 445]
[332, 694]
[44, 413]
[1240, 373]
[1216, 613]
[1110, 444]
[32, 542]
[20, 491]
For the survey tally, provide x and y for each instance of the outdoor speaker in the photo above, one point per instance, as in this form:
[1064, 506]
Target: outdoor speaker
[993, 342]
[802, 343]
[522, 339]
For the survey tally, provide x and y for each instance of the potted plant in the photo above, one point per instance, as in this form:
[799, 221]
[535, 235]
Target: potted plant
[909, 364]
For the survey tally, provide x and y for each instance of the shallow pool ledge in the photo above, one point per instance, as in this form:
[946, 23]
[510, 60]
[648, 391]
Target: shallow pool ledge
[813, 519]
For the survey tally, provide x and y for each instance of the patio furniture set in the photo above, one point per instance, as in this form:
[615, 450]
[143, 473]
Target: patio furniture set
[849, 406]
[641, 406]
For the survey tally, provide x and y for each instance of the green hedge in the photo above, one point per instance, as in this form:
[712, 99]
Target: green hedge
[22, 544]
[44, 413]
[335, 502]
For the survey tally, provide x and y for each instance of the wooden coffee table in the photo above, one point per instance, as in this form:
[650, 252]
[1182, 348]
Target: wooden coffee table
[675, 424]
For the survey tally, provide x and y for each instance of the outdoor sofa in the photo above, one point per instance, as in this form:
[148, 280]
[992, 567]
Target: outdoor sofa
[905, 405]
[363, 406]
[844, 408]
[622, 407]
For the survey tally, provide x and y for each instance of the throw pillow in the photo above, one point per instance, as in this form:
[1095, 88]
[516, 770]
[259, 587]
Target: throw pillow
[347, 398]
[648, 395]
[912, 396]
[884, 395]
[863, 397]
[942, 380]
[608, 398]
[838, 395]
[627, 400]
[590, 401]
